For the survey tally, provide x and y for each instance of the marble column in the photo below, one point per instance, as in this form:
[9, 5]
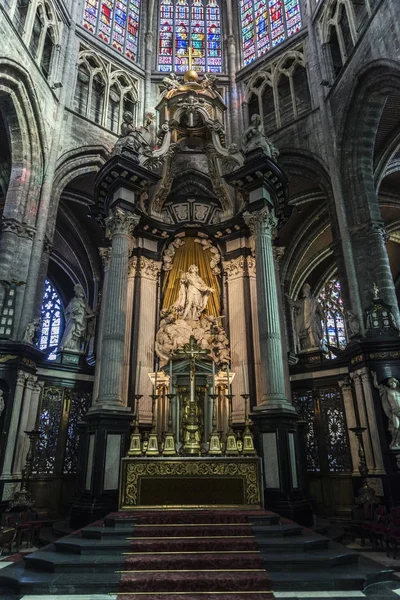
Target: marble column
[26, 422]
[251, 270]
[120, 226]
[262, 224]
[372, 424]
[235, 271]
[149, 273]
[13, 427]
[128, 331]
[105, 254]
[369, 457]
[351, 421]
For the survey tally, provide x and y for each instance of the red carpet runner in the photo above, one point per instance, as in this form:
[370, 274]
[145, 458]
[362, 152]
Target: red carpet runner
[194, 555]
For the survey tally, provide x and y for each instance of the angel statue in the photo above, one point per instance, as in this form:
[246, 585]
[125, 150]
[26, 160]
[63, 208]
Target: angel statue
[390, 399]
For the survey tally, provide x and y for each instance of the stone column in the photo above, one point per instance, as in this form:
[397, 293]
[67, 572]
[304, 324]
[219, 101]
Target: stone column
[22, 439]
[369, 458]
[105, 254]
[128, 331]
[351, 421]
[262, 224]
[251, 270]
[235, 270]
[13, 427]
[372, 424]
[149, 273]
[120, 226]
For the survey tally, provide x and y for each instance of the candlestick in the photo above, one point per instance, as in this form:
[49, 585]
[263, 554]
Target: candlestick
[138, 379]
[170, 376]
[229, 382]
[244, 378]
[155, 382]
[213, 378]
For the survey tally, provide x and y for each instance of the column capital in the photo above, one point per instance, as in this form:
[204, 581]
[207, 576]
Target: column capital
[21, 377]
[234, 268]
[121, 222]
[345, 384]
[31, 381]
[261, 221]
[251, 266]
[364, 374]
[355, 376]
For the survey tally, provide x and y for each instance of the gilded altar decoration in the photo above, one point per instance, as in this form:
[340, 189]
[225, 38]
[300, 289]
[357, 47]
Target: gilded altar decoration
[137, 474]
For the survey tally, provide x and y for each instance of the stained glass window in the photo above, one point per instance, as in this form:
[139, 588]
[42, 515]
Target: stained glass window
[115, 22]
[267, 23]
[190, 27]
[51, 316]
[333, 324]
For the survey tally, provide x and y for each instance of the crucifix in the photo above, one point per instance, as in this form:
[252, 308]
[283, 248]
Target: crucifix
[191, 442]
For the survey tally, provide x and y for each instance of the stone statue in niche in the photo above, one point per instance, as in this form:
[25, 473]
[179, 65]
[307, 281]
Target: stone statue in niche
[308, 316]
[390, 398]
[254, 139]
[32, 331]
[193, 295]
[77, 315]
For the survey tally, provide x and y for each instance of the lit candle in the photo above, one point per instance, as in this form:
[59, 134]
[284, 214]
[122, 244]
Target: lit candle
[170, 376]
[244, 378]
[229, 382]
[213, 378]
[138, 379]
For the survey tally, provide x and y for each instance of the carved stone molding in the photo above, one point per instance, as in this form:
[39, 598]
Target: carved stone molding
[261, 222]
[47, 245]
[121, 223]
[149, 268]
[234, 268]
[105, 254]
[215, 255]
[251, 266]
[355, 376]
[21, 378]
[31, 381]
[132, 266]
[278, 252]
[345, 384]
[169, 253]
[20, 229]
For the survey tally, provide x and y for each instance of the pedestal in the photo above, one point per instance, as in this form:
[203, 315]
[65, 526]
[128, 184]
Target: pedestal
[276, 440]
[104, 439]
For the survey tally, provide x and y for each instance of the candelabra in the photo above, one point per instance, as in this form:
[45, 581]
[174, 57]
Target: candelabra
[215, 439]
[248, 440]
[231, 448]
[135, 448]
[169, 448]
[152, 446]
[367, 493]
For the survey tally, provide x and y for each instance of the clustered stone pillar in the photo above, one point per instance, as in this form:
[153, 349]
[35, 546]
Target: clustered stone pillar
[120, 226]
[262, 224]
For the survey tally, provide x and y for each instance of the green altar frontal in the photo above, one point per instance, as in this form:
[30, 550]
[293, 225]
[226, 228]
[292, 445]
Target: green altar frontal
[190, 482]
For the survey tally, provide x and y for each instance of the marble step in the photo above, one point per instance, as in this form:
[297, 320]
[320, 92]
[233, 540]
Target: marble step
[276, 529]
[96, 533]
[52, 561]
[313, 560]
[80, 545]
[341, 577]
[43, 583]
[301, 543]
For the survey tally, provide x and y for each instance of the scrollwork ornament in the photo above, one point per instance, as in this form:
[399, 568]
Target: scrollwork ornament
[149, 268]
[235, 268]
